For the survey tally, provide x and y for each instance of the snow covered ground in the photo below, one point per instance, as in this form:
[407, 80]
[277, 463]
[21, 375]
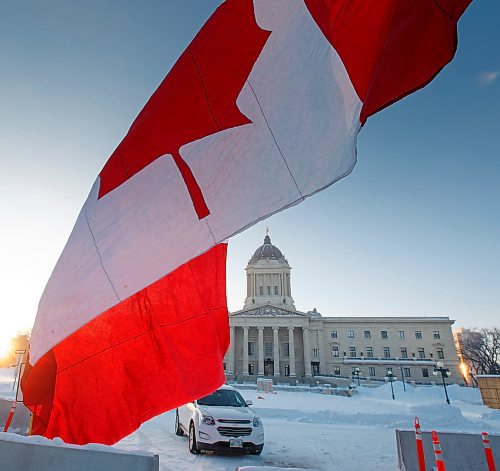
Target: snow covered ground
[6, 382]
[321, 432]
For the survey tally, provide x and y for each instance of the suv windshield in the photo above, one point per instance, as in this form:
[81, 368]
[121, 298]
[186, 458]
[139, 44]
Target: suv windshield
[223, 397]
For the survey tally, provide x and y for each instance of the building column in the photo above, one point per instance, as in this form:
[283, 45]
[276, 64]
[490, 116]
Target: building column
[260, 329]
[276, 351]
[231, 352]
[245, 351]
[291, 348]
[321, 347]
[307, 351]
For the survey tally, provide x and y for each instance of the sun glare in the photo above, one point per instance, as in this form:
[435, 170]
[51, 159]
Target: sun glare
[5, 346]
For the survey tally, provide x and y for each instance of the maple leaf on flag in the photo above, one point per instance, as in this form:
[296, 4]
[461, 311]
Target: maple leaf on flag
[187, 106]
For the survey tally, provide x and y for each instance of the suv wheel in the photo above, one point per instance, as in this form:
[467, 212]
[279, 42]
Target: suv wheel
[193, 446]
[178, 428]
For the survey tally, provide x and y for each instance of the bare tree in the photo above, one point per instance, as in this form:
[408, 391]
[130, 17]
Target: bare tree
[481, 349]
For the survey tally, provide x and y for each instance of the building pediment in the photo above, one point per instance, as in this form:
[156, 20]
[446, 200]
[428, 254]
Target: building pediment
[267, 310]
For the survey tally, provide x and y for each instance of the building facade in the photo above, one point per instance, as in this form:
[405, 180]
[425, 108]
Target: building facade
[269, 337]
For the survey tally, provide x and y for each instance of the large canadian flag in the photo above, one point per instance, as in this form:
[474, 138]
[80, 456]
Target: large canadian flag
[261, 111]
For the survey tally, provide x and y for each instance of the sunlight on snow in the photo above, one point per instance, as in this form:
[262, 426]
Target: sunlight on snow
[5, 344]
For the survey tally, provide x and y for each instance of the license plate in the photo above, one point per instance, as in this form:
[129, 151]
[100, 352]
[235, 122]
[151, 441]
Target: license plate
[236, 442]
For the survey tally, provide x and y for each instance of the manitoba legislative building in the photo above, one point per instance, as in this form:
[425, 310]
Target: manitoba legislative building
[270, 338]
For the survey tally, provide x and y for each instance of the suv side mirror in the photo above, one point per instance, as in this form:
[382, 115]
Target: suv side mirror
[249, 403]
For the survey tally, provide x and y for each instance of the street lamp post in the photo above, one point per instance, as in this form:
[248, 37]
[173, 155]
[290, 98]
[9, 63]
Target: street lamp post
[402, 377]
[391, 378]
[356, 372]
[445, 373]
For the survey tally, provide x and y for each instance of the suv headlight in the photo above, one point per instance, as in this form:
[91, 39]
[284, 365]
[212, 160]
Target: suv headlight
[256, 421]
[207, 420]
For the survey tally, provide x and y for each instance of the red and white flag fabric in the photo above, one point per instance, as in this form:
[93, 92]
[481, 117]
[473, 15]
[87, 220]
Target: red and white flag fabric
[261, 111]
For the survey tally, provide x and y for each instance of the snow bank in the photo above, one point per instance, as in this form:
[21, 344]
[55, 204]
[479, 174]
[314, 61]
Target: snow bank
[375, 407]
[422, 393]
[57, 442]
[46, 455]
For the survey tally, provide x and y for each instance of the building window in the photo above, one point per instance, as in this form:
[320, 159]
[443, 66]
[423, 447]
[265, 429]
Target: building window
[315, 353]
[421, 353]
[276, 291]
[251, 349]
[371, 371]
[250, 369]
[352, 352]
[407, 372]
[336, 370]
[369, 352]
[404, 352]
[418, 335]
[389, 370]
[383, 334]
[335, 351]
[350, 334]
[401, 334]
[333, 334]
[368, 334]
[286, 349]
[436, 334]
[287, 370]
[269, 291]
[425, 372]
[261, 290]
[224, 366]
[387, 352]
[440, 353]
[268, 349]
[315, 368]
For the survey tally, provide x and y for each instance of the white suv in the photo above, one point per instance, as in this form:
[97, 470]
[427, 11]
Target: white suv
[221, 421]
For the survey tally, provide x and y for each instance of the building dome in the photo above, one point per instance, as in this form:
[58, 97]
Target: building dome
[267, 251]
[268, 278]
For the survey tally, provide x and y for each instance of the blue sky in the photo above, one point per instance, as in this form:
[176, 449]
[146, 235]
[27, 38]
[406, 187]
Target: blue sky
[414, 230]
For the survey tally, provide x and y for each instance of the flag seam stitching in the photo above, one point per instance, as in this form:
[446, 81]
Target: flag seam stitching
[99, 254]
[204, 88]
[274, 139]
